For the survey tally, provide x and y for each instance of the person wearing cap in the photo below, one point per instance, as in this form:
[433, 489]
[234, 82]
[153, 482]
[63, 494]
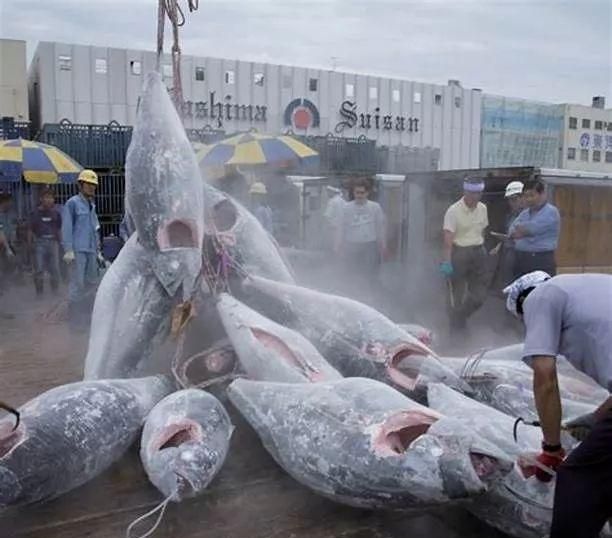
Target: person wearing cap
[464, 262]
[260, 207]
[535, 232]
[44, 235]
[570, 315]
[81, 241]
[505, 249]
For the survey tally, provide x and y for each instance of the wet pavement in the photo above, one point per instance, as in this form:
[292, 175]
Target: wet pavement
[251, 498]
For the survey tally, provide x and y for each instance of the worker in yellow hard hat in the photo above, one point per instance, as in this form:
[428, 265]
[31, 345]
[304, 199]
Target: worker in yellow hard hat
[81, 242]
[260, 207]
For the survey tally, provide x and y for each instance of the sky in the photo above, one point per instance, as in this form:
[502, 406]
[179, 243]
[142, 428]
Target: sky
[548, 50]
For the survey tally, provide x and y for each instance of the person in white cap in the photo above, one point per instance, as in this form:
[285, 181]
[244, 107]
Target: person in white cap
[570, 315]
[464, 262]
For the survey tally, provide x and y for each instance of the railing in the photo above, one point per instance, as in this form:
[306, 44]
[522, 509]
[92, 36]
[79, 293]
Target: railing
[11, 129]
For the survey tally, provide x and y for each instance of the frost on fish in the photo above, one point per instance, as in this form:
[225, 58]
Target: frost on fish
[242, 235]
[131, 315]
[70, 434]
[355, 338]
[268, 351]
[362, 443]
[184, 443]
[519, 506]
[163, 190]
[499, 378]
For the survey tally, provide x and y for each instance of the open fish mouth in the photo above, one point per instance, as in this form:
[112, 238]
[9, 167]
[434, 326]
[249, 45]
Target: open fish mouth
[291, 357]
[395, 435]
[178, 234]
[179, 433]
[404, 366]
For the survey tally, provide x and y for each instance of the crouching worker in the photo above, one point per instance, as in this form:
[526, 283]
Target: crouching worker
[570, 315]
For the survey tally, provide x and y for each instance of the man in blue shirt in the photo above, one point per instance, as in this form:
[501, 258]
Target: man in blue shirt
[81, 241]
[535, 232]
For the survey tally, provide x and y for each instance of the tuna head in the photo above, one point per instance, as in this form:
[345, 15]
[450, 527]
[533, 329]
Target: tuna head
[355, 338]
[184, 443]
[362, 443]
[163, 188]
[268, 351]
[243, 236]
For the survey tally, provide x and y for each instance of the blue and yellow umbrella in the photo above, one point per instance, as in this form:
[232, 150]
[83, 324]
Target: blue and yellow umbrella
[254, 148]
[36, 162]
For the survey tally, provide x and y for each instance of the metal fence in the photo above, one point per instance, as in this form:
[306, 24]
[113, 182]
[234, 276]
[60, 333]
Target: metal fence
[11, 129]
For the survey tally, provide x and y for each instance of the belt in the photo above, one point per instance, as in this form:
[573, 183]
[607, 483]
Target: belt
[470, 246]
[46, 237]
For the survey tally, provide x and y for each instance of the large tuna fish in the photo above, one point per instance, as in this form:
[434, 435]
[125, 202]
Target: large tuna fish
[244, 238]
[521, 507]
[356, 339]
[500, 378]
[163, 190]
[268, 351]
[184, 443]
[131, 315]
[362, 443]
[70, 434]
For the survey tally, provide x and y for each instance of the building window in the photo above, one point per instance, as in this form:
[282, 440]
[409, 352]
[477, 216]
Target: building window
[609, 127]
[135, 67]
[396, 96]
[609, 156]
[313, 84]
[438, 99]
[584, 155]
[166, 70]
[571, 154]
[573, 123]
[373, 92]
[64, 63]
[417, 97]
[200, 74]
[599, 125]
[286, 82]
[596, 156]
[349, 90]
[458, 102]
[101, 66]
[229, 77]
[258, 79]
[586, 124]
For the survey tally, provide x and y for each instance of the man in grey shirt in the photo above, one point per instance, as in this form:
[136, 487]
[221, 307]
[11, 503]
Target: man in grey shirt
[570, 315]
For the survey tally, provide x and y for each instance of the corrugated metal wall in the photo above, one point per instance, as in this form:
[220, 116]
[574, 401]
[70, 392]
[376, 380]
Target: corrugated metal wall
[96, 85]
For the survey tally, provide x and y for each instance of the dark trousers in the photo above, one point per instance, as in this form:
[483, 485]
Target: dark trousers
[527, 262]
[46, 258]
[468, 285]
[583, 495]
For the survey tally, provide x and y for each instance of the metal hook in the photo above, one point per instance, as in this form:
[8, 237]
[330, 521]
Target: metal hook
[12, 411]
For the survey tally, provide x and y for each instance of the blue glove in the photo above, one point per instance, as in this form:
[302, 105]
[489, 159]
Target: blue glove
[446, 268]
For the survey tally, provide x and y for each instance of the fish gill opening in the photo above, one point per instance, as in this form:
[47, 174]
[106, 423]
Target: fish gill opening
[403, 369]
[282, 350]
[178, 234]
[225, 216]
[401, 429]
[178, 434]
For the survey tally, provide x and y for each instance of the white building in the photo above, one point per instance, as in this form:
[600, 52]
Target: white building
[13, 79]
[96, 85]
[587, 137]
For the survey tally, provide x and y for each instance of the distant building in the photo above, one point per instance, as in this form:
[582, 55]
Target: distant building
[587, 137]
[518, 132]
[13, 80]
[87, 84]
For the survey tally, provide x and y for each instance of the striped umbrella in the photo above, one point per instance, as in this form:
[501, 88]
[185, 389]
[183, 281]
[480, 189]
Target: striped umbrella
[36, 162]
[254, 148]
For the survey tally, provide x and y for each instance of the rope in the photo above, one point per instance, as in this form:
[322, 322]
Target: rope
[161, 507]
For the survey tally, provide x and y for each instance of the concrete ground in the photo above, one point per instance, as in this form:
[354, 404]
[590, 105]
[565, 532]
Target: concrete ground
[251, 498]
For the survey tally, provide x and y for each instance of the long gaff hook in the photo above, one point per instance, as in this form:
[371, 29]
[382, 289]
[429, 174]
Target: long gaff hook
[13, 412]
